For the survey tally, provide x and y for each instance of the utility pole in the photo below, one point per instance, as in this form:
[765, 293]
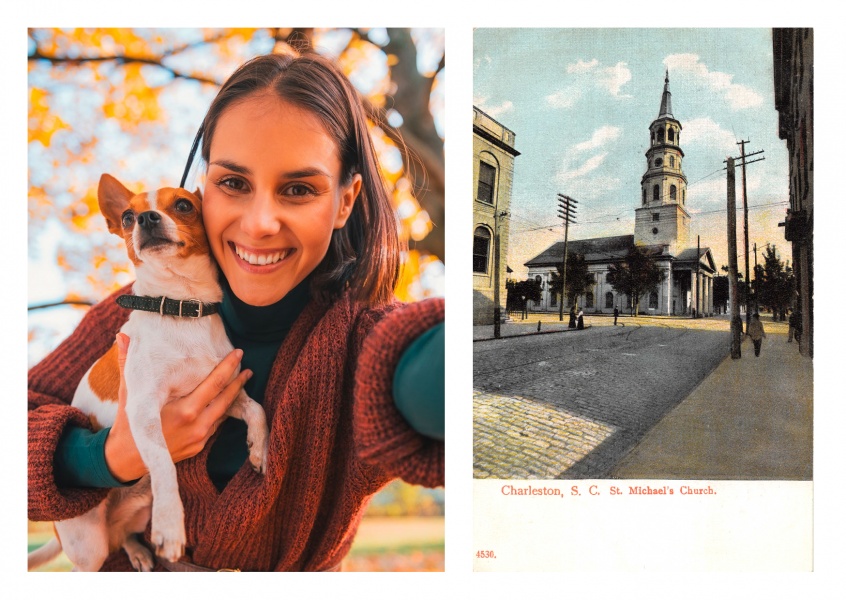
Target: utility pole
[755, 252]
[497, 308]
[567, 211]
[743, 163]
[736, 323]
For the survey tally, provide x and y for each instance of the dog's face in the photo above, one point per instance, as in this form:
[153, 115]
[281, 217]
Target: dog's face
[156, 226]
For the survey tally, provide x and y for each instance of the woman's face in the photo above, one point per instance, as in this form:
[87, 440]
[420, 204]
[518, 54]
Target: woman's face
[273, 196]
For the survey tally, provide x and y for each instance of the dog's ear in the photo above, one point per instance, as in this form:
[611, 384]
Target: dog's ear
[114, 199]
[199, 194]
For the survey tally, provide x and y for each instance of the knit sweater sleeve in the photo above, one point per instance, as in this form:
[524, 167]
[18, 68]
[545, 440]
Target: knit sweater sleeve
[51, 387]
[383, 437]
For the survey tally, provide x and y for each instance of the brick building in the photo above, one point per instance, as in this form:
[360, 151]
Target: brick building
[493, 175]
[793, 74]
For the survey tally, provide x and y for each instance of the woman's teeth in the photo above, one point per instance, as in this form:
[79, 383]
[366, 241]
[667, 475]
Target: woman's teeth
[260, 259]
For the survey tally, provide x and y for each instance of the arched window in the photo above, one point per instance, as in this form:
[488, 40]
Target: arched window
[672, 192]
[487, 179]
[653, 300]
[655, 192]
[589, 300]
[644, 196]
[481, 249]
[609, 300]
[670, 134]
[672, 161]
[683, 191]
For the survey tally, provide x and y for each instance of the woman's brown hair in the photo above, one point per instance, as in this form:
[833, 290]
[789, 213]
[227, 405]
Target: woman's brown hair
[365, 253]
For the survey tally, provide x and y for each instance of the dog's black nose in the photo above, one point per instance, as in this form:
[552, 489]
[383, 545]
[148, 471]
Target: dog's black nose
[149, 219]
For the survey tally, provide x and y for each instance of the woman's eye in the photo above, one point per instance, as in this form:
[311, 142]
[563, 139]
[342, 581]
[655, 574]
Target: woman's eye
[127, 219]
[184, 206]
[298, 189]
[233, 183]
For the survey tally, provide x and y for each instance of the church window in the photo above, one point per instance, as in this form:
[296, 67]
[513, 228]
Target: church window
[655, 192]
[672, 161]
[683, 191]
[481, 249]
[487, 177]
[656, 216]
[670, 134]
[644, 196]
[672, 192]
[653, 300]
[659, 161]
[589, 300]
[654, 231]
[609, 300]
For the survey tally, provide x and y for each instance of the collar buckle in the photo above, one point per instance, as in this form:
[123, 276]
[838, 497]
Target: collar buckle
[199, 308]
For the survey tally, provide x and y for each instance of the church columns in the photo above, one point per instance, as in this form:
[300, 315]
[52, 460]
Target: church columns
[668, 294]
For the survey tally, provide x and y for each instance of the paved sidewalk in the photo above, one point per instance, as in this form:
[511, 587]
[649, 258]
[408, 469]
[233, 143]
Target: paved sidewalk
[751, 418]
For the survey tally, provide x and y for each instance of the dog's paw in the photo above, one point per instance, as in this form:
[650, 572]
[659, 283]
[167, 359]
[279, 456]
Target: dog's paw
[257, 444]
[140, 557]
[168, 534]
[170, 549]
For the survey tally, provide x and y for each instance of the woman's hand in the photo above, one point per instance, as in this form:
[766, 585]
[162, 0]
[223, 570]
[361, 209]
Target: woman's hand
[187, 422]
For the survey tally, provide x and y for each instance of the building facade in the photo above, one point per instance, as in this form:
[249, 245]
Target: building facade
[662, 229]
[793, 74]
[493, 175]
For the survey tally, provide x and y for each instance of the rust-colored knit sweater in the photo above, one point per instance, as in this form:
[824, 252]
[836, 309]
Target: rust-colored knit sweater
[335, 439]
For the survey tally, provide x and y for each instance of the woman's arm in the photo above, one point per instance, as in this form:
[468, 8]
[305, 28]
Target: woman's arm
[51, 387]
[383, 435]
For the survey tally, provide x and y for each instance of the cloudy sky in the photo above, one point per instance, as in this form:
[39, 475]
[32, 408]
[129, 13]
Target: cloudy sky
[580, 102]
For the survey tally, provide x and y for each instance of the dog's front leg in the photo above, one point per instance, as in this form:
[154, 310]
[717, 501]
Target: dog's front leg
[252, 413]
[143, 412]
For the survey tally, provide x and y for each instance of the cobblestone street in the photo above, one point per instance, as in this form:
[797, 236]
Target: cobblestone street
[572, 404]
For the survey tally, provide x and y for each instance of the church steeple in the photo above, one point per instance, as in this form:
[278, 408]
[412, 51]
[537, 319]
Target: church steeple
[662, 218]
[666, 98]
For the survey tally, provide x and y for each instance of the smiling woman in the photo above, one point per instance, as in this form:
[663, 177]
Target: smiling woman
[300, 222]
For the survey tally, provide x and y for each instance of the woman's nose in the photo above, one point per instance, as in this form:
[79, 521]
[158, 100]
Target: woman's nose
[262, 216]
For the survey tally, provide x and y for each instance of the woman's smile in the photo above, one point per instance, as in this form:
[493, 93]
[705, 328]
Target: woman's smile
[252, 259]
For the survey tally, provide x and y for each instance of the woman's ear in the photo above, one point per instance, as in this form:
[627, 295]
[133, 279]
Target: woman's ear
[349, 195]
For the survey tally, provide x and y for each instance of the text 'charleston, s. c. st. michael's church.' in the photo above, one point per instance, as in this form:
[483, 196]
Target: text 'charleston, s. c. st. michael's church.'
[662, 229]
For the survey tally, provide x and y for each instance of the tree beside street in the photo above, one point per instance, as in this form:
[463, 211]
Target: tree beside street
[520, 292]
[579, 280]
[635, 276]
[775, 283]
[721, 293]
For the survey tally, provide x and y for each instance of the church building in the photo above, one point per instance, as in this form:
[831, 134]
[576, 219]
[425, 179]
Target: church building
[662, 228]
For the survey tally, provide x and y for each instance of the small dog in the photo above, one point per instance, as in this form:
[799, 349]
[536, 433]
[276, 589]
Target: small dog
[177, 338]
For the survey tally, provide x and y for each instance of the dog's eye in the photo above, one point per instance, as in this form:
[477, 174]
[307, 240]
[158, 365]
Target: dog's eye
[127, 219]
[184, 206]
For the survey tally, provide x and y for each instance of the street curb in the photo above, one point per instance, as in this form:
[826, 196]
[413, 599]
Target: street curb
[532, 333]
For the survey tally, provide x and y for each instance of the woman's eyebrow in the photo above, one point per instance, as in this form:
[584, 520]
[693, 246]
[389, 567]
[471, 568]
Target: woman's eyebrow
[306, 172]
[231, 166]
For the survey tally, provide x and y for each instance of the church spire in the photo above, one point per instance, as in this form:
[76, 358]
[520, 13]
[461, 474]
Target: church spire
[666, 98]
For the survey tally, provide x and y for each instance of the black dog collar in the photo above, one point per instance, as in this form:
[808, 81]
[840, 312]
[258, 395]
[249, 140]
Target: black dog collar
[193, 309]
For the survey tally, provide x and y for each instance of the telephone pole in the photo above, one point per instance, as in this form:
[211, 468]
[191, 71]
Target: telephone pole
[743, 163]
[567, 211]
[497, 309]
[736, 323]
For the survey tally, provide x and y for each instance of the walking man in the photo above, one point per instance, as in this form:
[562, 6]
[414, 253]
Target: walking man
[756, 332]
[616, 314]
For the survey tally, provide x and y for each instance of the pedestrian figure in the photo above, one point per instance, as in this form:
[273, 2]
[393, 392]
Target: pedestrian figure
[572, 323]
[791, 327]
[756, 332]
[616, 314]
[797, 327]
[581, 319]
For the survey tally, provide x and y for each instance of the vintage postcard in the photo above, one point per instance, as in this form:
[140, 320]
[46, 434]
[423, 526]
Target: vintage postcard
[643, 299]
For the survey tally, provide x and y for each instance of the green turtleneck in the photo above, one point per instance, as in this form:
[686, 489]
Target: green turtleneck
[259, 331]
